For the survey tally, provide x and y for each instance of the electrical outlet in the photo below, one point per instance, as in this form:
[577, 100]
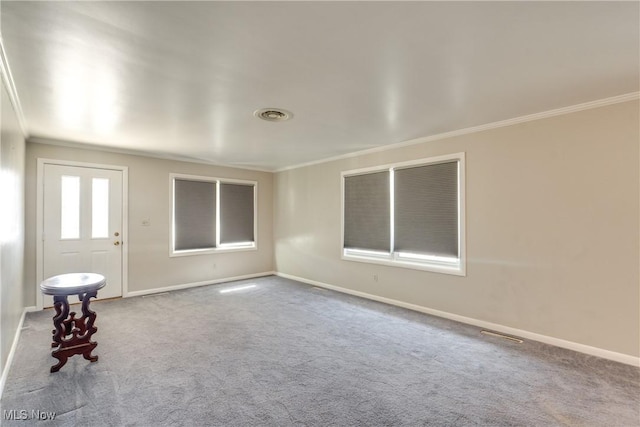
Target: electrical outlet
[375, 277]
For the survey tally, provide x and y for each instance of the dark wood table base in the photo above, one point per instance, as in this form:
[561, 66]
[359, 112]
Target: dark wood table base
[80, 330]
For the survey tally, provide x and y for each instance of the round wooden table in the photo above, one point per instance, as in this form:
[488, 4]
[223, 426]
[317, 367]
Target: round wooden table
[86, 286]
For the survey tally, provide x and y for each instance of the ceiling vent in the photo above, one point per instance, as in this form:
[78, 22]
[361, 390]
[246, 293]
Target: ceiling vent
[273, 114]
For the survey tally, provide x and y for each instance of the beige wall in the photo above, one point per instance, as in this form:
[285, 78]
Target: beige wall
[150, 266]
[12, 149]
[552, 229]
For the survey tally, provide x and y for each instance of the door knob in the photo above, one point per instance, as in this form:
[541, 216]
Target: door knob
[116, 243]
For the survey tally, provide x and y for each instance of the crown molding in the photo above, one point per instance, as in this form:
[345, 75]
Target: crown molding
[131, 152]
[7, 80]
[474, 129]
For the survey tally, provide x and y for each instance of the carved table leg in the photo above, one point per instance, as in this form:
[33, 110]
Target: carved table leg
[87, 328]
[80, 330]
[61, 305]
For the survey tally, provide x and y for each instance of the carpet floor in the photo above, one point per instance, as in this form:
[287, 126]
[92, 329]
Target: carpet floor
[282, 353]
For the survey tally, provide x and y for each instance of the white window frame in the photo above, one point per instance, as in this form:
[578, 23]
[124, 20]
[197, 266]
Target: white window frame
[220, 247]
[435, 264]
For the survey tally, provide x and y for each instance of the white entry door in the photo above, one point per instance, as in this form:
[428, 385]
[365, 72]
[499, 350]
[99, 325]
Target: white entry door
[83, 225]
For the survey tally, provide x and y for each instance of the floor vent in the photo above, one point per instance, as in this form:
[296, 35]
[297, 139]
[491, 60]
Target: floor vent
[155, 295]
[506, 337]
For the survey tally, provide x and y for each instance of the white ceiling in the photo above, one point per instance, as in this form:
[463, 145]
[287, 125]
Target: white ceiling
[183, 79]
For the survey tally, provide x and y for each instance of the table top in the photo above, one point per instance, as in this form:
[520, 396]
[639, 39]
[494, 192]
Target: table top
[73, 283]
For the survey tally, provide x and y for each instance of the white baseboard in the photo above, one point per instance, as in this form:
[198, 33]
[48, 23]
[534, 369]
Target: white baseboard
[570, 345]
[196, 284]
[14, 346]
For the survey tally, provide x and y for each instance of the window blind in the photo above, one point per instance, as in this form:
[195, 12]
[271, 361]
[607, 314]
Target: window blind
[367, 212]
[236, 213]
[426, 209]
[194, 214]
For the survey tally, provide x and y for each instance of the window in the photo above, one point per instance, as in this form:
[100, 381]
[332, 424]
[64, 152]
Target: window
[236, 214]
[99, 208]
[70, 207]
[212, 215]
[407, 214]
[194, 214]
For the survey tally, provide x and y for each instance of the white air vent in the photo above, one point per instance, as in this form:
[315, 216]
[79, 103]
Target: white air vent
[273, 114]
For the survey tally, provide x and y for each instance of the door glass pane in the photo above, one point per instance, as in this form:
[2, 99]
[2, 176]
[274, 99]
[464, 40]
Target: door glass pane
[70, 207]
[100, 208]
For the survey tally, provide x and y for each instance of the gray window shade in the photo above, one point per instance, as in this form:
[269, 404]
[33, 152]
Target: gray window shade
[426, 209]
[236, 213]
[194, 214]
[367, 211]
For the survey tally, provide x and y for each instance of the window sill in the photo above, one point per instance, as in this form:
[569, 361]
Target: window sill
[209, 251]
[456, 269]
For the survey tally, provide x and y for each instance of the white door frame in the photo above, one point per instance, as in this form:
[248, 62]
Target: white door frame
[40, 220]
